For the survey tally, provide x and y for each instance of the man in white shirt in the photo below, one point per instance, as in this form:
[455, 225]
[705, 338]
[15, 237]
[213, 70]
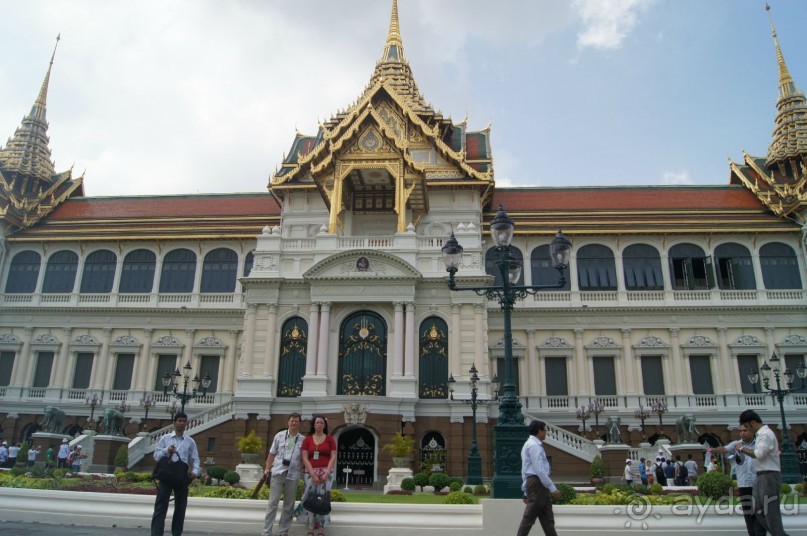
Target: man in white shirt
[769, 472]
[64, 452]
[692, 470]
[13, 450]
[536, 485]
[746, 473]
[185, 448]
[284, 463]
[628, 473]
[3, 454]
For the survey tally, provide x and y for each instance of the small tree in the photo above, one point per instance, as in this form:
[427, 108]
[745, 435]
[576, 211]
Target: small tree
[714, 484]
[232, 478]
[217, 472]
[122, 457]
[439, 481]
[408, 484]
[597, 467]
[421, 479]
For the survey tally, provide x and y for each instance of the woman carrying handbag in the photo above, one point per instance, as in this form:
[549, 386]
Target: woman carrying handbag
[319, 459]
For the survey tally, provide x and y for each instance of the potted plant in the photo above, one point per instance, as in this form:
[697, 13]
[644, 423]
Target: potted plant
[251, 448]
[597, 471]
[400, 447]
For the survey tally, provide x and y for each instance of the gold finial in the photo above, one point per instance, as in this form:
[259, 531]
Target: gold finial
[42, 98]
[787, 87]
[393, 49]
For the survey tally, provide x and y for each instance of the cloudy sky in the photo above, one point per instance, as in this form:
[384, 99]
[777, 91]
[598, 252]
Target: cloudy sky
[173, 96]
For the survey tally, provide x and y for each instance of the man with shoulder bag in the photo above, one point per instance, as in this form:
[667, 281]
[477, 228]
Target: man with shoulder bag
[284, 466]
[175, 454]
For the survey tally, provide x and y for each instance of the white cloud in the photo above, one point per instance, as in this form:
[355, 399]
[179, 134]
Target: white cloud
[606, 23]
[676, 178]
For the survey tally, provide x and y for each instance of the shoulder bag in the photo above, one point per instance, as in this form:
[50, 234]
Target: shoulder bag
[170, 471]
[317, 502]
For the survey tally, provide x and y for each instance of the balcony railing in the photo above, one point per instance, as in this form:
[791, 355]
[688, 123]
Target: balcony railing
[676, 403]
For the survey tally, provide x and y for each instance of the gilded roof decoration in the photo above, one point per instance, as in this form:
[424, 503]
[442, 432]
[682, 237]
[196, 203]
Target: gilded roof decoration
[30, 188]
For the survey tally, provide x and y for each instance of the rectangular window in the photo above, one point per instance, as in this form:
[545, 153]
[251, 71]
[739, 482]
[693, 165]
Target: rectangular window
[746, 363]
[500, 373]
[694, 273]
[604, 376]
[210, 366]
[123, 372]
[44, 365]
[700, 368]
[556, 380]
[165, 363]
[81, 377]
[6, 366]
[652, 375]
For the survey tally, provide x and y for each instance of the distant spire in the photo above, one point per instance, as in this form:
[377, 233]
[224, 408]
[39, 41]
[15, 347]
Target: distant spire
[40, 105]
[790, 133]
[393, 50]
[787, 87]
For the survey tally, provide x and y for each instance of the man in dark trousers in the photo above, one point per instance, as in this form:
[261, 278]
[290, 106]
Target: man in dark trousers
[536, 485]
[175, 444]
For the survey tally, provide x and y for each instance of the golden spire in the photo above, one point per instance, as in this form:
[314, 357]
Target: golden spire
[790, 133]
[393, 50]
[38, 109]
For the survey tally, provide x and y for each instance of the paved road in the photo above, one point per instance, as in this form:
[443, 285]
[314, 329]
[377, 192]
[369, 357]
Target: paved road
[40, 529]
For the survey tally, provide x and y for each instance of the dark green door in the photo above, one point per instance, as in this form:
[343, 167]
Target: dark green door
[363, 355]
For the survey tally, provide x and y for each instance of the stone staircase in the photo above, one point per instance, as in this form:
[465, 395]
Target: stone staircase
[568, 442]
[145, 443]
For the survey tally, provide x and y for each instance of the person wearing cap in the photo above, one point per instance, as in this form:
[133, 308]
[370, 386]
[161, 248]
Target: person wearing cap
[3, 454]
[32, 452]
[64, 452]
[628, 474]
[74, 459]
[184, 447]
[13, 450]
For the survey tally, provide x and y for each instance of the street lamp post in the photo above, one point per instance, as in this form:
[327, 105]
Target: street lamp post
[659, 407]
[510, 432]
[584, 414]
[789, 463]
[642, 414]
[172, 409]
[597, 409]
[184, 397]
[474, 474]
[147, 402]
[93, 401]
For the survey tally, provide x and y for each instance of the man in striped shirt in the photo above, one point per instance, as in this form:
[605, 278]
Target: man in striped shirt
[536, 485]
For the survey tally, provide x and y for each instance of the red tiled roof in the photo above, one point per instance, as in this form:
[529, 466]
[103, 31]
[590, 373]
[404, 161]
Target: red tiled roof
[626, 198]
[167, 206]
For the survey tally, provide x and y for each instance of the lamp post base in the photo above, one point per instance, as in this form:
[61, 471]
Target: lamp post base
[508, 439]
[474, 474]
[789, 463]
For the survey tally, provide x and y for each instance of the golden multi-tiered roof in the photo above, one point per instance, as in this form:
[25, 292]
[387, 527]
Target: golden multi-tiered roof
[385, 150]
[780, 179]
[30, 188]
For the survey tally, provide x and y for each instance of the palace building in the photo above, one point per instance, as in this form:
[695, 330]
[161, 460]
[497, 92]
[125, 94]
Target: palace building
[327, 293]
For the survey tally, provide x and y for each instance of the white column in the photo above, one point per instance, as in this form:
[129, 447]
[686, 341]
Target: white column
[28, 375]
[151, 360]
[770, 342]
[454, 350]
[142, 362]
[479, 340]
[271, 342]
[64, 363]
[188, 356]
[249, 342]
[324, 331]
[728, 377]
[533, 365]
[398, 351]
[22, 359]
[411, 341]
[101, 363]
[110, 358]
[676, 363]
[313, 337]
[581, 359]
[230, 362]
[630, 364]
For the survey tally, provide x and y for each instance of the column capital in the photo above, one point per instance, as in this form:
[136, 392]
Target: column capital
[578, 333]
[674, 332]
[410, 306]
[190, 332]
[67, 332]
[722, 330]
[531, 331]
[480, 307]
[273, 307]
[107, 331]
[325, 306]
[769, 329]
[314, 307]
[234, 331]
[626, 332]
[456, 307]
[398, 306]
[251, 308]
[148, 331]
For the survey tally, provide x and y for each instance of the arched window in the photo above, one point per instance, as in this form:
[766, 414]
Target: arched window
[543, 272]
[138, 272]
[219, 271]
[642, 266]
[99, 272]
[735, 271]
[596, 269]
[690, 268]
[248, 262]
[60, 274]
[433, 451]
[433, 358]
[23, 273]
[179, 270]
[491, 268]
[293, 343]
[780, 268]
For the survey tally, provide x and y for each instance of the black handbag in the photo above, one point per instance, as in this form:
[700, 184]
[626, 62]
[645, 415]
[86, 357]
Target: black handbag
[171, 472]
[317, 502]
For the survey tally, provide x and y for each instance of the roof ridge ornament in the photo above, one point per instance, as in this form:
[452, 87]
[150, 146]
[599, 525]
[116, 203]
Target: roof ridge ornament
[393, 49]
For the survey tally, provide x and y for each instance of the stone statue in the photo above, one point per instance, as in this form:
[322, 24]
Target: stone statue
[53, 421]
[685, 425]
[113, 422]
[355, 413]
[613, 430]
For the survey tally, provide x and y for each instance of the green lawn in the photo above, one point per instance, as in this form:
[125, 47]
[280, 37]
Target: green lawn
[415, 498]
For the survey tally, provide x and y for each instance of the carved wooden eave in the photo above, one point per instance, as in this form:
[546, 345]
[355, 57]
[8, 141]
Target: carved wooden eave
[783, 196]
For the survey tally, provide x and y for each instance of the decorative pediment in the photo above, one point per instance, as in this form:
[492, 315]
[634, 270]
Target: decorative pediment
[125, 340]
[362, 264]
[86, 339]
[45, 338]
[167, 341]
[701, 341]
[9, 338]
[603, 342]
[651, 342]
[556, 342]
[210, 342]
